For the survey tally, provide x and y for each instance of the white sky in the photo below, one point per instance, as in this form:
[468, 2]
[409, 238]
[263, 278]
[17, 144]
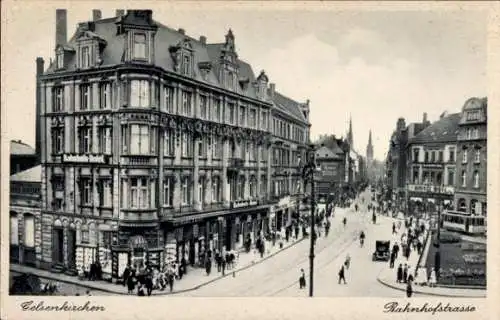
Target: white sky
[375, 66]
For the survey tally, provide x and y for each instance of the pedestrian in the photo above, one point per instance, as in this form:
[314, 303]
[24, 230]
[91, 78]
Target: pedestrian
[432, 278]
[395, 249]
[400, 274]
[394, 228]
[347, 261]
[393, 258]
[419, 247]
[223, 262]
[342, 274]
[405, 273]
[126, 274]
[408, 251]
[218, 260]
[131, 284]
[302, 279]
[409, 289]
[149, 284]
[208, 266]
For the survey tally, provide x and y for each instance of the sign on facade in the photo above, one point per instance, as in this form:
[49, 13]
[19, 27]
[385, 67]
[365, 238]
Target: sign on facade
[99, 159]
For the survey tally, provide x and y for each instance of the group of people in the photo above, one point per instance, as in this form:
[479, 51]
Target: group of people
[146, 278]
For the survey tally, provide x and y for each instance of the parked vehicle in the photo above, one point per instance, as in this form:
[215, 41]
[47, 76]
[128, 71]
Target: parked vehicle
[382, 251]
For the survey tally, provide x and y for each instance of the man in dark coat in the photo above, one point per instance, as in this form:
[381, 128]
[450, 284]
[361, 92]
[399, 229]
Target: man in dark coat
[208, 266]
[342, 274]
[218, 261]
[392, 259]
[400, 274]
[419, 247]
[405, 273]
[409, 289]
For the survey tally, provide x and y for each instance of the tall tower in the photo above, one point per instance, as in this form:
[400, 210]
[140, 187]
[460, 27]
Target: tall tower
[369, 149]
[349, 134]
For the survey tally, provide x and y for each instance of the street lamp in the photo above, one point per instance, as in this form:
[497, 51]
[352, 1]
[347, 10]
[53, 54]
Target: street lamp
[308, 171]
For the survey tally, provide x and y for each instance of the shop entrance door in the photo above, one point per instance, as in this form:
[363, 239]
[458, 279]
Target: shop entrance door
[57, 246]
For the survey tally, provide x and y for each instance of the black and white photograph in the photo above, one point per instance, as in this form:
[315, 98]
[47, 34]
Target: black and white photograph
[161, 152]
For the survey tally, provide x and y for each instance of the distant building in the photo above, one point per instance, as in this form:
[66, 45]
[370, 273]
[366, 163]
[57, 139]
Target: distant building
[22, 156]
[331, 160]
[431, 162]
[25, 218]
[471, 160]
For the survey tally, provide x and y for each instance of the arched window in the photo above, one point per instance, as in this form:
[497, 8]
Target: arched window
[476, 179]
[29, 230]
[462, 207]
[14, 229]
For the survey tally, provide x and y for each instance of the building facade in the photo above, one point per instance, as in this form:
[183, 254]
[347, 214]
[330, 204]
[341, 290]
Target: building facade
[25, 217]
[22, 157]
[431, 162]
[471, 160]
[155, 146]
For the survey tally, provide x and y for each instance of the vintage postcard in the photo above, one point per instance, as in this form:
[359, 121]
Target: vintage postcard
[327, 159]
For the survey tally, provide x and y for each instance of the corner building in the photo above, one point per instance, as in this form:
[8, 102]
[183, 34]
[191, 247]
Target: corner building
[155, 146]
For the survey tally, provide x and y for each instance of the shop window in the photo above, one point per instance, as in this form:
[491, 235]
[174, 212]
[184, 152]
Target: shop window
[14, 229]
[139, 94]
[139, 194]
[139, 139]
[29, 231]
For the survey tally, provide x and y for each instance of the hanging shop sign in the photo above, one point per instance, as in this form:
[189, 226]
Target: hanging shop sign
[83, 158]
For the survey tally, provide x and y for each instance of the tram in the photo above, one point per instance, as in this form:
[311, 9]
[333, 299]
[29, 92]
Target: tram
[463, 222]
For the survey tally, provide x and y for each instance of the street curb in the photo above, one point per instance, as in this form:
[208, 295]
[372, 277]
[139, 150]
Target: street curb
[174, 292]
[385, 283]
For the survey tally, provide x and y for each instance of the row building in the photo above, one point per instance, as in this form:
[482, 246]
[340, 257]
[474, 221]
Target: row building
[156, 146]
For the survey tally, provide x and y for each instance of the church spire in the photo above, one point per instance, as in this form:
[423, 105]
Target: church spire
[349, 134]
[369, 148]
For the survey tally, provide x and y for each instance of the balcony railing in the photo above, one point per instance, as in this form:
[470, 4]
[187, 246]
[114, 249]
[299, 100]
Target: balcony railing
[428, 188]
[138, 215]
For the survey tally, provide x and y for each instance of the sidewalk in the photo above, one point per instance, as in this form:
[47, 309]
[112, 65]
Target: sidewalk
[388, 278]
[192, 280]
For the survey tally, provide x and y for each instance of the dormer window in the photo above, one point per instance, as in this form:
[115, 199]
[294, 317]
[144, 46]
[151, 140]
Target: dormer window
[139, 46]
[186, 65]
[60, 59]
[85, 57]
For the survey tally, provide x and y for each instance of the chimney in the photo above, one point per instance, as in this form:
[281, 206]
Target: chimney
[38, 137]
[96, 15]
[120, 13]
[272, 89]
[181, 31]
[203, 40]
[424, 120]
[61, 26]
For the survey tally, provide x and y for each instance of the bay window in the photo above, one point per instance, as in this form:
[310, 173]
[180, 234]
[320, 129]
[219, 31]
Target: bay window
[85, 191]
[85, 97]
[105, 193]
[139, 46]
[168, 191]
[105, 95]
[84, 139]
[139, 193]
[186, 191]
[57, 135]
[105, 140]
[168, 142]
[139, 139]
[139, 93]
